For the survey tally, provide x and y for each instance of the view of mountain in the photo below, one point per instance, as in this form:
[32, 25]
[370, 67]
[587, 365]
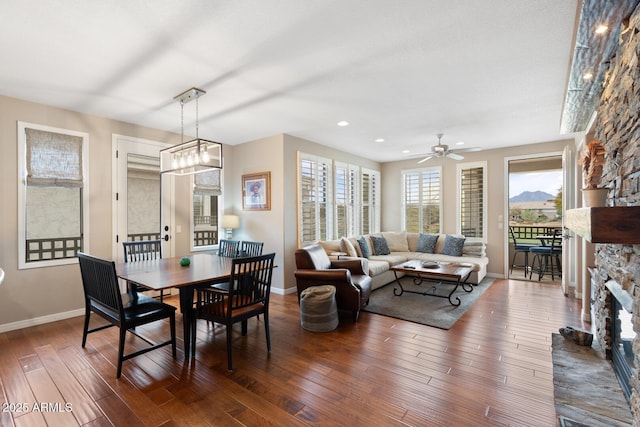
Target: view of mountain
[532, 196]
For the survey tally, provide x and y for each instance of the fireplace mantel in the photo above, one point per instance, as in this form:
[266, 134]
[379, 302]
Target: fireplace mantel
[616, 224]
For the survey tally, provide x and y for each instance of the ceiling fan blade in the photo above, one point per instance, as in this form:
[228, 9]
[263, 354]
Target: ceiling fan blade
[425, 159]
[454, 156]
[462, 150]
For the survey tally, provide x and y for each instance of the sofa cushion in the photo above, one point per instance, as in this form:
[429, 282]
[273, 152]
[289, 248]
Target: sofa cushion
[377, 267]
[380, 246]
[330, 246]
[474, 249]
[397, 241]
[391, 259]
[364, 247]
[347, 247]
[453, 245]
[427, 243]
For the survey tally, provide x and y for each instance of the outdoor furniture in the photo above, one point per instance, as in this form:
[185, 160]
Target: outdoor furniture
[546, 257]
[353, 285]
[247, 297]
[519, 248]
[126, 311]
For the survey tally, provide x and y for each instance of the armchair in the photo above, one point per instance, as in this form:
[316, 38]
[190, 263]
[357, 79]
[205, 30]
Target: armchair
[353, 285]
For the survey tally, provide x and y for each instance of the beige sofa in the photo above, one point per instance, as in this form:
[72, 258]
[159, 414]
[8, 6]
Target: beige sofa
[403, 247]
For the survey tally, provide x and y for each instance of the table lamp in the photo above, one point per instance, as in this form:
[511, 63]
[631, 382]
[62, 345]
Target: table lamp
[230, 223]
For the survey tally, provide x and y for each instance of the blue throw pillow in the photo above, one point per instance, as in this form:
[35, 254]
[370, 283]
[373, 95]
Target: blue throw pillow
[364, 247]
[427, 243]
[380, 246]
[453, 245]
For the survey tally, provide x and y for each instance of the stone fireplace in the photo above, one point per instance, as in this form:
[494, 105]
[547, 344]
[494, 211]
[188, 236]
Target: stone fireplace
[616, 278]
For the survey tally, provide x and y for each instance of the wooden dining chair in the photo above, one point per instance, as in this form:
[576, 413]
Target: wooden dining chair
[126, 311]
[228, 248]
[251, 248]
[248, 296]
[142, 250]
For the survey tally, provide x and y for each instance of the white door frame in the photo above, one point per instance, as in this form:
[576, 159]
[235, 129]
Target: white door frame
[121, 145]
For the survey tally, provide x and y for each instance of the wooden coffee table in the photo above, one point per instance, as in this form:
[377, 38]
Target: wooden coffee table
[452, 273]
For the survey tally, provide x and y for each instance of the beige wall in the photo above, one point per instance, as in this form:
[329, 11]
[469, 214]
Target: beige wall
[497, 188]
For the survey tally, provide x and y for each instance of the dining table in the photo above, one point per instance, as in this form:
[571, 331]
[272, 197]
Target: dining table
[166, 273]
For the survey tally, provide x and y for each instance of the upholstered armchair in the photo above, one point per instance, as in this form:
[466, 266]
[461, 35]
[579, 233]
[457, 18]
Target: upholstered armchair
[353, 285]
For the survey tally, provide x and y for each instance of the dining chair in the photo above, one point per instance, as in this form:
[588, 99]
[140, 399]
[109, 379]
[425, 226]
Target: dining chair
[228, 248]
[547, 257]
[251, 248]
[248, 296]
[126, 311]
[142, 250]
[518, 248]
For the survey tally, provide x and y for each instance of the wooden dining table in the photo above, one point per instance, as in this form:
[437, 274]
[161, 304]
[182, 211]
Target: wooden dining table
[167, 273]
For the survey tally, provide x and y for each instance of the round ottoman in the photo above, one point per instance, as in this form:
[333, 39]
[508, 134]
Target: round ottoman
[318, 308]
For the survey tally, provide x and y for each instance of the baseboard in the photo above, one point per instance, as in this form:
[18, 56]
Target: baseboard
[286, 291]
[41, 320]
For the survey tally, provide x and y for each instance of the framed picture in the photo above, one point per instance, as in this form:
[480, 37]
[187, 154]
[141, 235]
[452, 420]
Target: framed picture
[256, 192]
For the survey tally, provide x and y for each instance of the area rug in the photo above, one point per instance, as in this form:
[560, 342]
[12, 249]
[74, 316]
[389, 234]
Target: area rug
[424, 309]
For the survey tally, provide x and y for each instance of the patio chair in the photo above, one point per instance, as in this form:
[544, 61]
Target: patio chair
[519, 248]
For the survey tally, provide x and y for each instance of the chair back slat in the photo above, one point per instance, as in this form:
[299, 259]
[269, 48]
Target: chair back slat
[251, 248]
[100, 282]
[142, 250]
[251, 281]
[228, 248]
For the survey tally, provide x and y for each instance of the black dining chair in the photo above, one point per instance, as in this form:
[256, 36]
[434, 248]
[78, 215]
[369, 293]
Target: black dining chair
[142, 250]
[126, 311]
[547, 257]
[247, 296]
[519, 248]
[251, 248]
[228, 248]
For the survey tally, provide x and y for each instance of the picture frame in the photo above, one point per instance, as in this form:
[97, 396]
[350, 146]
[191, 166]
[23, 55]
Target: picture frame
[256, 191]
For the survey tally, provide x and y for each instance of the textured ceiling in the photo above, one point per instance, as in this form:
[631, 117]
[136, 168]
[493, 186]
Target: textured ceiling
[490, 73]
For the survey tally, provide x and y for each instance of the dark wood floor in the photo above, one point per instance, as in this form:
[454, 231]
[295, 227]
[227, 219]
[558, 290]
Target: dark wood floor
[493, 368]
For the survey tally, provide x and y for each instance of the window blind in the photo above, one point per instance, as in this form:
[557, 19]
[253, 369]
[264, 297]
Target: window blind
[53, 159]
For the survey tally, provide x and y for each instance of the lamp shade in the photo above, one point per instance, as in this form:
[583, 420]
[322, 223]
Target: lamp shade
[231, 221]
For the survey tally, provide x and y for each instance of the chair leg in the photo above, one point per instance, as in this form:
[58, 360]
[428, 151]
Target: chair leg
[172, 325]
[87, 314]
[229, 356]
[123, 333]
[244, 327]
[355, 314]
[266, 330]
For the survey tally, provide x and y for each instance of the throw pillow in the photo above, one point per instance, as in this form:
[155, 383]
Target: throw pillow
[427, 243]
[364, 247]
[453, 245]
[347, 247]
[397, 241]
[380, 246]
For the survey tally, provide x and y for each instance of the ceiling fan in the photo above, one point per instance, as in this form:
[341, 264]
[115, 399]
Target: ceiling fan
[443, 150]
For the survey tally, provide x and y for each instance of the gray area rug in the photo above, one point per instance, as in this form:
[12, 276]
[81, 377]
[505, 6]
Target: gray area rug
[587, 392]
[424, 309]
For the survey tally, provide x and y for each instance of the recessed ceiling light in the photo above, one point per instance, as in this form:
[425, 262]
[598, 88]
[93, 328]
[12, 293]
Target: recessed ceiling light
[587, 76]
[406, 151]
[343, 123]
[601, 29]
[380, 140]
[459, 143]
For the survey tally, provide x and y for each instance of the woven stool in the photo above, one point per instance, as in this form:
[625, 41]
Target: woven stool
[318, 308]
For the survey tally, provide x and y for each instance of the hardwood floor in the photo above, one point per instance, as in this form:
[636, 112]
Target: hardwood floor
[493, 368]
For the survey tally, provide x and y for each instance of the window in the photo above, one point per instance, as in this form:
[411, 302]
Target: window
[421, 200]
[335, 199]
[207, 192]
[472, 193]
[52, 212]
[314, 195]
[370, 202]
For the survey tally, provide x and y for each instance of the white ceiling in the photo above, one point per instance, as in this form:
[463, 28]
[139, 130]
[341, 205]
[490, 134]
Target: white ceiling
[491, 73]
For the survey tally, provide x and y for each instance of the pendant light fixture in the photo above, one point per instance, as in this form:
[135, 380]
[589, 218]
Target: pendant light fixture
[195, 156]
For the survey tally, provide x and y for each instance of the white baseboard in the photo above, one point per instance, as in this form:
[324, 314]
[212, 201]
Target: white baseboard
[41, 320]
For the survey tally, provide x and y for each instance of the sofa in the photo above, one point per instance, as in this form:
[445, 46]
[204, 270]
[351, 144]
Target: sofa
[380, 251]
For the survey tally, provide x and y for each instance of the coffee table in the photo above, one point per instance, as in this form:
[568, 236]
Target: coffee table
[452, 273]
